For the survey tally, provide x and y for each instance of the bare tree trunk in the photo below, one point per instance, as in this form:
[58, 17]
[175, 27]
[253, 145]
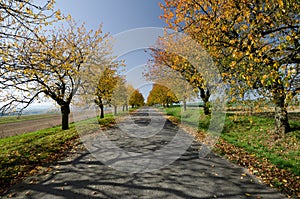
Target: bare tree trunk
[65, 111]
[205, 98]
[206, 108]
[101, 106]
[282, 125]
[184, 103]
[115, 110]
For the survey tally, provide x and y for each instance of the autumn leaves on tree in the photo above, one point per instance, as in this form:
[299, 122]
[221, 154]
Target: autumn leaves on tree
[161, 95]
[38, 62]
[255, 45]
[136, 99]
[170, 64]
[112, 90]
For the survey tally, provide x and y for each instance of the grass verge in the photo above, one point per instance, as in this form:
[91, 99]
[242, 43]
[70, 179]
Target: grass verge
[250, 142]
[23, 155]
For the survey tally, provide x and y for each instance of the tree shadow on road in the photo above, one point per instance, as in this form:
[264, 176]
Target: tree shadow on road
[83, 176]
[187, 177]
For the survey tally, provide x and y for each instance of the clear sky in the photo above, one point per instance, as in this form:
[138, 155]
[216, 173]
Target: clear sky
[118, 16]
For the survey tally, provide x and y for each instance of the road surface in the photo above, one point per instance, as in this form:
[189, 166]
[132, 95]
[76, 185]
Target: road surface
[117, 175]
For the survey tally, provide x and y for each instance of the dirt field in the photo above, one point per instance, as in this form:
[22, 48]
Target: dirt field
[16, 128]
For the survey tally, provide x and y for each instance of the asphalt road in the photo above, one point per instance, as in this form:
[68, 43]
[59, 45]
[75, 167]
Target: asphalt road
[135, 165]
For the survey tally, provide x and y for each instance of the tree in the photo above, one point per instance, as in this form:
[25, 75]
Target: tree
[162, 55]
[105, 88]
[164, 75]
[119, 97]
[129, 91]
[22, 19]
[51, 66]
[254, 43]
[136, 99]
[111, 90]
[161, 95]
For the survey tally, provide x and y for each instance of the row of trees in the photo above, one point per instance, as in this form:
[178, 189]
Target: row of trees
[255, 45]
[41, 60]
[112, 90]
[136, 99]
[161, 95]
[172, 69]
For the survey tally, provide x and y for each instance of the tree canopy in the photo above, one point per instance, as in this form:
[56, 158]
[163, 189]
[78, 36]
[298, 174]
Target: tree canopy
[51, 66]
[176, 53]
[106, 86]
[254, 43]
[22, 19]
[164, 75]
[161, 95]
[136, 99]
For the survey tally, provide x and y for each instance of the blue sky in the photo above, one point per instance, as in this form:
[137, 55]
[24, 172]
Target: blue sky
[118, 16]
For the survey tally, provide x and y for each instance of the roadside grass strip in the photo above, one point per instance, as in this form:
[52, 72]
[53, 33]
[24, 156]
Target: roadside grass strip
[24, 155]
[250, 142]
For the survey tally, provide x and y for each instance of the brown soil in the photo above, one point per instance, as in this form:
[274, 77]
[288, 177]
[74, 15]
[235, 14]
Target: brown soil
[16, 128]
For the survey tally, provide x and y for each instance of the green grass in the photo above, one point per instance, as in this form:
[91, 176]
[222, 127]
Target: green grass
[254, 135]
[20, 154]
[191, 117]
[11, 119]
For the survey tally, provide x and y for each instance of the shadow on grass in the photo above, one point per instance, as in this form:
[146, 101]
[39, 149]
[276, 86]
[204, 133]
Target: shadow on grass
[295, 126]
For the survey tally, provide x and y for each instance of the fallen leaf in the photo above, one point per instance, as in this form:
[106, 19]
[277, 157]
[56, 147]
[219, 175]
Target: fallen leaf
[12, 195]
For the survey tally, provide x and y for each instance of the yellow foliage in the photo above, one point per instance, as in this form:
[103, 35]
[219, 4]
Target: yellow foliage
[241, 35]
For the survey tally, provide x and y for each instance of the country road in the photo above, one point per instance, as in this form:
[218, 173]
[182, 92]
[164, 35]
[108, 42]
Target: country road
[140, 158]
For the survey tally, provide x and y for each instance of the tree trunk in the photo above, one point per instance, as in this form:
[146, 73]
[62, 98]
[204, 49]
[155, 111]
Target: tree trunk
[101, 106]
[65, 111]
[281, 116]
[184, 104]
[115, 110]
[206, 108]
[205, 98]
[282, 125]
